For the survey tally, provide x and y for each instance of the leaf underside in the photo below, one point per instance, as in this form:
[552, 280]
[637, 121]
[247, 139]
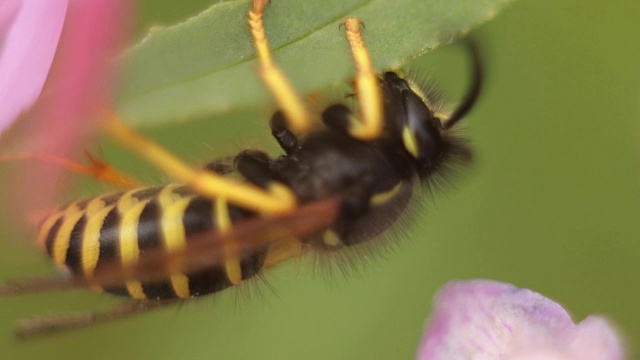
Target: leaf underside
[206, 65]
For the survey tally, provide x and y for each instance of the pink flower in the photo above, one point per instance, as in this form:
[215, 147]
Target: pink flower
[29, 35]
[483, 319]
[78, 88]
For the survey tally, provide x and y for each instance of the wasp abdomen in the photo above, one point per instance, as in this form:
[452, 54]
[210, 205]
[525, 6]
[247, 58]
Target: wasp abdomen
[121, 227]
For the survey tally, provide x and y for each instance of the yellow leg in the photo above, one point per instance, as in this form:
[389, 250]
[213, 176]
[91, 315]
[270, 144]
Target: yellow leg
[296, 114]
[277, 200]
[97, 168]
[367, 88]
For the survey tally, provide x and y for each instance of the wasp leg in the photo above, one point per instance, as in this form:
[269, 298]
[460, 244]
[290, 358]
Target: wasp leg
[278, 200]
[221, 166]
[254, 166]
[339, 118]
[285, 137]
[296, 114]
[367, 87]
[97, 168]
[51, 324]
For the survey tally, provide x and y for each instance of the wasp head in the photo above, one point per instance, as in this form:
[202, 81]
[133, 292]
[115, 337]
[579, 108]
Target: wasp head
[413, 119]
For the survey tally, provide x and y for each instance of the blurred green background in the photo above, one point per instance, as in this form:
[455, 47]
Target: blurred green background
[551, 204]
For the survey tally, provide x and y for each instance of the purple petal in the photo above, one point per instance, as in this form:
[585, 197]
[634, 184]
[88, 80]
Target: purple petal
[27, 52]
[490, 320]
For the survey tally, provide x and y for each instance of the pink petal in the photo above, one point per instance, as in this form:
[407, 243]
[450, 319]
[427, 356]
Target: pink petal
[8, 11]
[490, 320]
[594, 338]
[79, 86]
[27, 53]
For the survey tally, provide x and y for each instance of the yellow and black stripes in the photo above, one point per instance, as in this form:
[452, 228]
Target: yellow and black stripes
[120, 228]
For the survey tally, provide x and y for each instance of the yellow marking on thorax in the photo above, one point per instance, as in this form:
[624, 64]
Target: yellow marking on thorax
[96, 213]
[130, 209]
[61, 242]
[384, 196]
[231, 258]
[174, 235]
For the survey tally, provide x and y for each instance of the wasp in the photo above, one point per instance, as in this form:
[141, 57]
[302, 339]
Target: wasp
[338, 185]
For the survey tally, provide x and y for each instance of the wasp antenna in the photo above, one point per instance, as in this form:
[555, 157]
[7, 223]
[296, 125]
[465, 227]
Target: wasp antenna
[474, 90]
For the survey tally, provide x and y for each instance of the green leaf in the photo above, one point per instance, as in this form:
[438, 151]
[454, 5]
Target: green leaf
[206, 65]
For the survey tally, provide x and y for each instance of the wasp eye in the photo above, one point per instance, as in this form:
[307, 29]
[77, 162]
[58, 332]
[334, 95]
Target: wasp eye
[421, 137]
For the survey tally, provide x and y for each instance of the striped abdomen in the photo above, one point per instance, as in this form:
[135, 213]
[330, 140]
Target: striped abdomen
[86, 235]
